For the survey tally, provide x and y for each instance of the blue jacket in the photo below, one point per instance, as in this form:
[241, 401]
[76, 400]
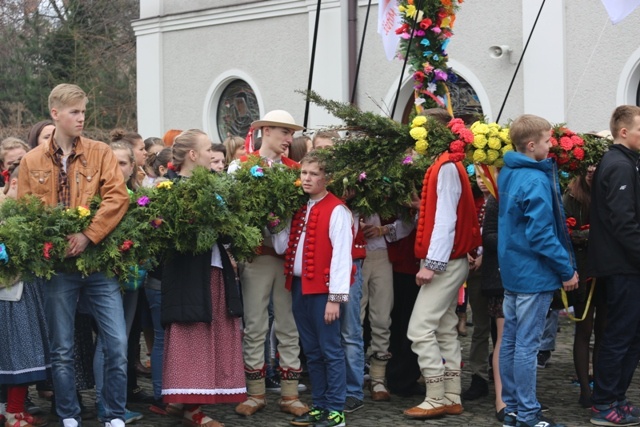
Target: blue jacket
[534, 249]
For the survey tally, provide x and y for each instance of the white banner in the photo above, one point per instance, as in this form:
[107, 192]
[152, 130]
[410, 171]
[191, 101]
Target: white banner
[620, 9]
[388, 21]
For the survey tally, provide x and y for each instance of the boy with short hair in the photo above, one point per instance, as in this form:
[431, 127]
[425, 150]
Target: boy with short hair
[535, 257]
[318, 270]
[614, 258]
[70, 170]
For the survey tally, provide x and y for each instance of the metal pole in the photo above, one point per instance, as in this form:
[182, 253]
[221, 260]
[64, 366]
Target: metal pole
[364, 32]
[313, 60]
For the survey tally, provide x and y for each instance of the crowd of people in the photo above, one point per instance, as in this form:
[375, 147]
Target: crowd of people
[298, 307]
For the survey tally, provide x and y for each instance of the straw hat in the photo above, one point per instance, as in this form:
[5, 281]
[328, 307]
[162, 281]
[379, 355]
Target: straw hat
[277, 118]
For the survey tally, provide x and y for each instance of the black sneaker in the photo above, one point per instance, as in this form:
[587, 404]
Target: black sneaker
[539, 422]
[543, 358]
[332, 419]
[138, 395]
[478, 388]
[612, 416]
[272, 384]
[509, 419]
[314, 415]
[352, 404]
[31, 407]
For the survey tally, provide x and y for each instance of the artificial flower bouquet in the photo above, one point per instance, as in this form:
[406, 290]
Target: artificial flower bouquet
[490, 143]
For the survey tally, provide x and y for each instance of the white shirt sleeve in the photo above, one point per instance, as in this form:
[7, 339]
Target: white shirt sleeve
[233, 166]
[399, 229]
[340, 234]
[280, 240]
[448, 190]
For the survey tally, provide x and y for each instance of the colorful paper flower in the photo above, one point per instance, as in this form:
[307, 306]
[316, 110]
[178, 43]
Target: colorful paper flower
[83, 211]
[362, 176]
[165, 185]
[143, 201]
[257, 171]
[126, 245]
[46, 250]
[156, 223]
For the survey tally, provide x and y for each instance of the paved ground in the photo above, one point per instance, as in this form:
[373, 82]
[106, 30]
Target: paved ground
[554, 389]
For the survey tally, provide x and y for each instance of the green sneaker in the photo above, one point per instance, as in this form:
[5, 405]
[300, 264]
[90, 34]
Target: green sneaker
[332, 419]
[314, 415]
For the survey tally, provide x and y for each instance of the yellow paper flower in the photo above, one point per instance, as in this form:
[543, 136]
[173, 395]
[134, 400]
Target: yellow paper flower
[82, 211]
[504, 136]
[410, 11]
[479, 141]
[421, 146]
[165, 184]
[479, 156]
[494, 143]
[418, 121]
[492, 156]
[499, 163]
[506, 148]
[418, 133]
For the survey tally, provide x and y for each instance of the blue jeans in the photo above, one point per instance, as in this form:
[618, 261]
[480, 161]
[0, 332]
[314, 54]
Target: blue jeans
[154, 297]
[620, 348]
[129, 304]
[548, 340]
[524, 320]
[322, 345]
[105, 302]
[352, 341]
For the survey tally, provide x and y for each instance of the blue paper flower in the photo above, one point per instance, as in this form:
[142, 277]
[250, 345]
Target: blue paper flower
[257, 171]
[4, 257]
[471, 170]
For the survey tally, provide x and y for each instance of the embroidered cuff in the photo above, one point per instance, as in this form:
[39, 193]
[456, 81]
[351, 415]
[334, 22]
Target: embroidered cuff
[435, 265]
[391, 233]
[338, 298]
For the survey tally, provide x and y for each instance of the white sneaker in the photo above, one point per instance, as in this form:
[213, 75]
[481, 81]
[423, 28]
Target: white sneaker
[116, 422]
[69, 422]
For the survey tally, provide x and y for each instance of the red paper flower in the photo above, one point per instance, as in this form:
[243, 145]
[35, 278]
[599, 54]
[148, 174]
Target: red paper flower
[578, 153]
[457, 146]
[577, 141]
[126, 245]
[554, 142]
[418, 76]
[563, 158]
[571, 222]
[402, 29]
[425, 23]
[46, 250]
[566, 143]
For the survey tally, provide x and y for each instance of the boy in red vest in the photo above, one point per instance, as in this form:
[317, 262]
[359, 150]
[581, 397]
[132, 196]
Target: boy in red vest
[447, 230]
[318, 270]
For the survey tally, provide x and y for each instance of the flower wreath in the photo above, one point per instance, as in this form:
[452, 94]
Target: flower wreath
[432, 137]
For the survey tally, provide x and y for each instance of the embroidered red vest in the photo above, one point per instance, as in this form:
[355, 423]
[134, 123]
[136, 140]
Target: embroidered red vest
[467, 232]
[401, 255]
[359, 249]
[317, 248]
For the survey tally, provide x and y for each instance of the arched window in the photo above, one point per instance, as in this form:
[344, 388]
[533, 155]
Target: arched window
[236, 109]
[465, 101]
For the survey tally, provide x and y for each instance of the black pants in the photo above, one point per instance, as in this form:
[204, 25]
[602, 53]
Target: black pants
[402, 369]
[620, 351]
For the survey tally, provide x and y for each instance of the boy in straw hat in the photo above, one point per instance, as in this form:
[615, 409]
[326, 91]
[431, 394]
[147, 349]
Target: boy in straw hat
[262, 280]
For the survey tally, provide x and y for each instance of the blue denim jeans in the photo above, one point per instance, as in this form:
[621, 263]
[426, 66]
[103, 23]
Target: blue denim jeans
[154, 297]
[104, 300]
[352, 341]
[524, 319]
[548, 340]
[129, 304]
[620, 348]
[322, 346]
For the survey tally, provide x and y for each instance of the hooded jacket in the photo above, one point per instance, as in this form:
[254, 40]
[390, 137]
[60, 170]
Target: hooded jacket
[614, 234]
[534, 248]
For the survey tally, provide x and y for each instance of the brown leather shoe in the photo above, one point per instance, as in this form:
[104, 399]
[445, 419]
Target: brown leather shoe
[454, 409]
[252, 405]
[293, 405]
[420, 413]
[379, 392]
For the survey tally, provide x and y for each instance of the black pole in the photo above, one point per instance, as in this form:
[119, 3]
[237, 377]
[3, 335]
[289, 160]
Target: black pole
[364, 32]
[313, 60]
[406, 58]
[513, 79]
